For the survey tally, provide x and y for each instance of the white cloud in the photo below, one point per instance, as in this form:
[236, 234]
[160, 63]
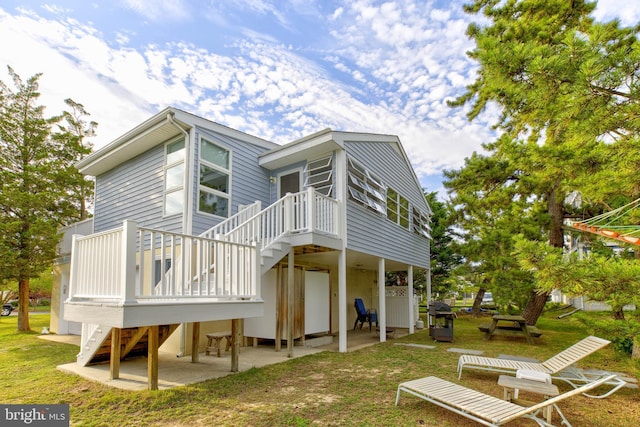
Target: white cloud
[159, 10]
[63, 76]
[264, 88]
[397, 63]
[627, 11]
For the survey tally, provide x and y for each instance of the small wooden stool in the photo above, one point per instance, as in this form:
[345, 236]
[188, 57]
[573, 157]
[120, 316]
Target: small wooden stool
[213, 342]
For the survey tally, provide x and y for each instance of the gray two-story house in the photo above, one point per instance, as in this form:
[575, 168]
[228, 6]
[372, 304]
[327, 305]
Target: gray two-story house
[198, 227]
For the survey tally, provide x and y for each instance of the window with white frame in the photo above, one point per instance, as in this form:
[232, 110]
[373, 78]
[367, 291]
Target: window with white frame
[174, 177]
[421, 223]
[397, 208]
[215, 176]
[319, 175]
[365, 188]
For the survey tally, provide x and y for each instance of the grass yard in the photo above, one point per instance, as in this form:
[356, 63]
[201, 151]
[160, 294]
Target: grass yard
[352, 389]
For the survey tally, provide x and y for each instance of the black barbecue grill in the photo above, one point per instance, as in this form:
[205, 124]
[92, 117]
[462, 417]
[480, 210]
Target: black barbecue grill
[441, 321]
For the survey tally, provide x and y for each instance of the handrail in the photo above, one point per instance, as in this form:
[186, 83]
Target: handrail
[305, 211]
[234, 221]
[103, 266]
[174, 265]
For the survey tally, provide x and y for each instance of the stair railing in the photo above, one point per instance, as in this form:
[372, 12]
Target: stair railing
[244, 213]
[306, 211]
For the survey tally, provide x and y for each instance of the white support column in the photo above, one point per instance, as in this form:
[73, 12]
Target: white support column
[412, 320]
[382, 311]
[428, 273]
[128, 262]
[290, 302]
[340, 181]
[342, 301]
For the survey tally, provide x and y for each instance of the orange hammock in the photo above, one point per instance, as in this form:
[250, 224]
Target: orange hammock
[603, 225]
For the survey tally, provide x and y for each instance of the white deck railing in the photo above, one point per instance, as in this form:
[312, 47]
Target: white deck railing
[132, 264]
[304, 212]
[233, 222]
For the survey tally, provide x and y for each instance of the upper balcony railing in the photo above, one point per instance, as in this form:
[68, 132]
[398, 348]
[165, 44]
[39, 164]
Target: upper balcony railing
[304, 212]
[134, 264]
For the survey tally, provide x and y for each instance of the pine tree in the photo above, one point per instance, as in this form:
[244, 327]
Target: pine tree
[568, 92]
[37, 184]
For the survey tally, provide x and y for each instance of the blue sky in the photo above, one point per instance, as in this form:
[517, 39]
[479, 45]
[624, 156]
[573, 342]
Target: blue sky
[277, 69]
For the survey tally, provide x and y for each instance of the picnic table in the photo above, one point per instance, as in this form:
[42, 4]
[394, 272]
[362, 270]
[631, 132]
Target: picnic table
[515, 324]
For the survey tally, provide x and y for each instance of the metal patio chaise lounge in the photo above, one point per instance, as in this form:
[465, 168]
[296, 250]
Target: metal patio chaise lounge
[484, 408]
[560, 367]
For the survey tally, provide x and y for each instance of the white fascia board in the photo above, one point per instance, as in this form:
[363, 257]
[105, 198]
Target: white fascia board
[302, 149]
[154, 131]
[121, 149]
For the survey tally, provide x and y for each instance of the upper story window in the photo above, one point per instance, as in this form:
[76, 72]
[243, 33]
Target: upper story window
[174, 177]
[397, 208]
[365, 188]
[215, 176]
[421, 223]
[319, 174]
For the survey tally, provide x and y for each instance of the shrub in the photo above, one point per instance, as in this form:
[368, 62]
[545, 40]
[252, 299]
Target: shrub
[620, 332]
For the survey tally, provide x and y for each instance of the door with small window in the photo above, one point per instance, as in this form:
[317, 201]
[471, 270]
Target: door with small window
[289, 182]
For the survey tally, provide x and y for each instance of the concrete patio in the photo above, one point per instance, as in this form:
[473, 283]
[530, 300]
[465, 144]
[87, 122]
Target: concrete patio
[179, 371]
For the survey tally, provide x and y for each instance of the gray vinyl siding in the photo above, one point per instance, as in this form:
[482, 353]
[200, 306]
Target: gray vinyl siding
[390, 166]
[249, 181]
[133, 191]
[371, 232]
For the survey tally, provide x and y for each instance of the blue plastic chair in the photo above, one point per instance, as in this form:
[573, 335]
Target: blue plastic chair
[364, 315]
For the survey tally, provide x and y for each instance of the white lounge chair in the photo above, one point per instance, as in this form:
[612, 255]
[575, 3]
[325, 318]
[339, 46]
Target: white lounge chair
[560, 366]
[483, 408]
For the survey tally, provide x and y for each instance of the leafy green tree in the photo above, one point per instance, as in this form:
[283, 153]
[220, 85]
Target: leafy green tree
[37, 183]
[567, 88]
[73, 132]
[609, 278]
[444, 257]
[488, 211]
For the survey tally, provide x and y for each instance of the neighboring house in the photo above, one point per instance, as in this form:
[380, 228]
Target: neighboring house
[199, 228]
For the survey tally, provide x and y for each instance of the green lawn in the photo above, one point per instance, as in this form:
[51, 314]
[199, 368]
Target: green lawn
[354, 389]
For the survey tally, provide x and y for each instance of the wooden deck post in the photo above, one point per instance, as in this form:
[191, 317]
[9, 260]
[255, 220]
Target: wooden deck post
[290, 302]
[195, 343]
[236, 330]
[114, 362]
[152, 357]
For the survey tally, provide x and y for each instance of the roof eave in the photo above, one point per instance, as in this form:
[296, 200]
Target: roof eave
[309, 147]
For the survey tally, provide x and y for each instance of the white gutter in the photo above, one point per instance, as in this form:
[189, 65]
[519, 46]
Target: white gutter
[186, 222]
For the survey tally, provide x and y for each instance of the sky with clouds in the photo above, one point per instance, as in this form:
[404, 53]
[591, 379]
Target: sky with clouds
[277, 69]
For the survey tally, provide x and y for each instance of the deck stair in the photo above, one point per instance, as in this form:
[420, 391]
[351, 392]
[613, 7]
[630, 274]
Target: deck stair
[273, 253]
[134, 344]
